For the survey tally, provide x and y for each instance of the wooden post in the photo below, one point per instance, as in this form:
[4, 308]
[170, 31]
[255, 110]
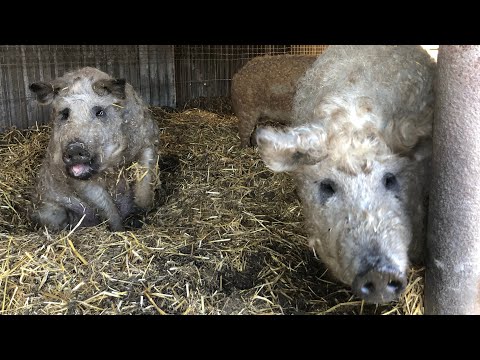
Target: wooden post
[452, 281]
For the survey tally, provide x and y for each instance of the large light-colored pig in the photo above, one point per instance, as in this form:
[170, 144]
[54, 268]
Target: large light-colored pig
[359, 151]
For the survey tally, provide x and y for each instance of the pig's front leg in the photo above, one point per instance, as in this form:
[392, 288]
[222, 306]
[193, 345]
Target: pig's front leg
[145, 186]
[52, 215]
[100, 199]
[62, 211]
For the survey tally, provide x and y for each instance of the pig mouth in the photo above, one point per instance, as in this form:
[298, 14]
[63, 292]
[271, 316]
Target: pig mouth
[82, 171]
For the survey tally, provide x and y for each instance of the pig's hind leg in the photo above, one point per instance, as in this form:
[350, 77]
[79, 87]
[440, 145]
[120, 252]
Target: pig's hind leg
[246, 124]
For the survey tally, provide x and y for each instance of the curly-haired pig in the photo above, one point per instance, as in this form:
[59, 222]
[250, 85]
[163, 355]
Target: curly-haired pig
[101, 161]
[359, 150]
[264, 88]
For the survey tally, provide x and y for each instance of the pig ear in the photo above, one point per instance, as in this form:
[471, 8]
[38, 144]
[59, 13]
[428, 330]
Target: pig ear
[45, 92]
[115, 87]
[286, 150]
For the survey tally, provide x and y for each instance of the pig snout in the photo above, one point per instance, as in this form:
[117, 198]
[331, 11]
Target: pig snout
[379, 284]
[76, 153]
[78, 161]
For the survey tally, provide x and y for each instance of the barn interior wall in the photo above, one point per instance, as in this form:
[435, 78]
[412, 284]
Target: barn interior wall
[149, 68]
[163, 75]
[207, 70]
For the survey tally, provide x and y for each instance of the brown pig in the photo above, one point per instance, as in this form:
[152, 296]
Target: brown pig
[264, 88]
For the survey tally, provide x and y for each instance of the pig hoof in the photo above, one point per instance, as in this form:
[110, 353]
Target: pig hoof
[116, 227]
[136, 218]
[134, 222]
[246, 143]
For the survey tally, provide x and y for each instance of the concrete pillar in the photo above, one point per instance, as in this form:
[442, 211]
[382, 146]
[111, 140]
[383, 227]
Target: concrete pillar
[452, 280]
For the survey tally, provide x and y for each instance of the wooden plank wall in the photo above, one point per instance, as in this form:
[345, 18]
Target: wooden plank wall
[163, 75]
[149, 68]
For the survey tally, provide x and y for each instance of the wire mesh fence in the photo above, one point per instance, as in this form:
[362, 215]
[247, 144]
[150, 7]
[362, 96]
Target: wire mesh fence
[163, 75]
[206, 70]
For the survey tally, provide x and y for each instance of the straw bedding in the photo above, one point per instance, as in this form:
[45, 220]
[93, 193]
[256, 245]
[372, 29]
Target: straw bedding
[225, 237]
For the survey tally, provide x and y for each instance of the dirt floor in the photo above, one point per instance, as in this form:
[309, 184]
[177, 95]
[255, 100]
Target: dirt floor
[226, 237]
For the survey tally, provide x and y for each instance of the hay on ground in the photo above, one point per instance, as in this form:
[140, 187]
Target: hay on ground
[226, 237]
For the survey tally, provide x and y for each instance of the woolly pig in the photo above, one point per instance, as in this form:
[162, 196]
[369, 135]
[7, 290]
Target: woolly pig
[101, 160]
[359, 152]
[264, 87]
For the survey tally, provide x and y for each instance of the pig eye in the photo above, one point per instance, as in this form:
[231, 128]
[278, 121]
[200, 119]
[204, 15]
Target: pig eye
[327, 189]
[390, 182]
[64, 114]
[99, 112]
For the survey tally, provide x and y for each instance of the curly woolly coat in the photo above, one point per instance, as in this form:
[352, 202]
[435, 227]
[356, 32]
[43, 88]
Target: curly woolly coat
[264, 88]
[359, 148]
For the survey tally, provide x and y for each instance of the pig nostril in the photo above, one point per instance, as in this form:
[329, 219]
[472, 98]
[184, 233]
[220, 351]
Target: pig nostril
[368, 288]
[376, 286]
[394, 285]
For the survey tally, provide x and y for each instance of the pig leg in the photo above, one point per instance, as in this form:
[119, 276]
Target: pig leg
[246, 124]
[64, 211]
[144, 188]
[52, 215]
[99, 198]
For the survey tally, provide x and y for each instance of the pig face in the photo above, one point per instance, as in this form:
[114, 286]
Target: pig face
[358, 200]
[87, 126]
